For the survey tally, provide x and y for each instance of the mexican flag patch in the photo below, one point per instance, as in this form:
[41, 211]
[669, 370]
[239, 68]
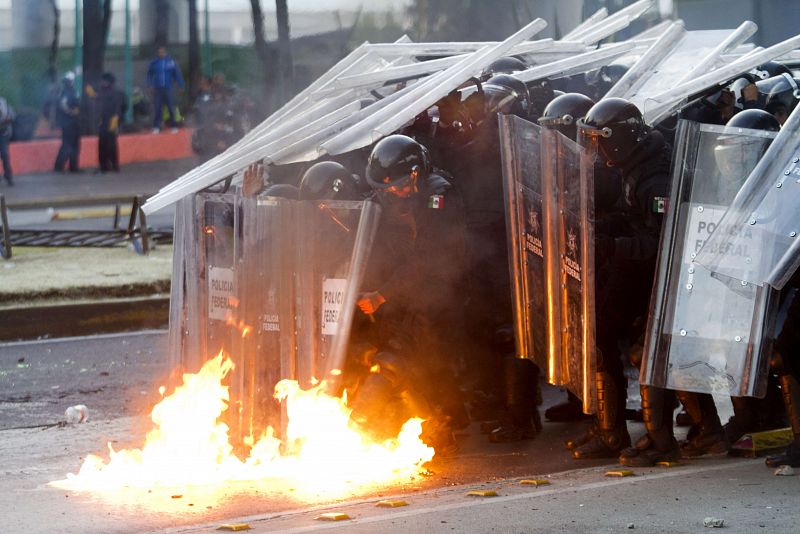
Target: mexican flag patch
[436, 202]
[660, 204]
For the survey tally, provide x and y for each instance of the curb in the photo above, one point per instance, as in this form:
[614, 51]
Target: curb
[96, 213]
[85, 318]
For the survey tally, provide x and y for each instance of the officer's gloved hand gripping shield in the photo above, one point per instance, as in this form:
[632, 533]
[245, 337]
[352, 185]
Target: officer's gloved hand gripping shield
[762, 226]
[708, 331]
[547, 227]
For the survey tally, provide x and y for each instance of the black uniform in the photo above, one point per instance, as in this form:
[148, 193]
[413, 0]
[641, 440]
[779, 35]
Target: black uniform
[627, 243]
[67, 119]
[472, 153]
[113, 104]
[786, 363]
[415, 265]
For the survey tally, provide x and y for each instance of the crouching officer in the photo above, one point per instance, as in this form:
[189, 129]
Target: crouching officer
[626, 247]
[412, 289]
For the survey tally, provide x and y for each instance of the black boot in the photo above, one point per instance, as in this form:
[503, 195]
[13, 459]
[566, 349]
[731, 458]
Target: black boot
[657, 406]
[791, 400]
[743, 420]
[574, 443]
[612, 433]
[521, 382]
[572, 410]
[707, 437]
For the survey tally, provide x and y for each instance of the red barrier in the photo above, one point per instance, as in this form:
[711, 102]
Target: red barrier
[39, 156]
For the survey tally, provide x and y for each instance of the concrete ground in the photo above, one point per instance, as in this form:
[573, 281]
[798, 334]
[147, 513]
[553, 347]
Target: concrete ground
[117, 378]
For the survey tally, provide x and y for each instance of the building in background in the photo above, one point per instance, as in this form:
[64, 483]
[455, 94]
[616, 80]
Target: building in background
[777, 19]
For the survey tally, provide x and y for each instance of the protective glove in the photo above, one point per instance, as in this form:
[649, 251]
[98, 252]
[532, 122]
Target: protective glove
[370, 302]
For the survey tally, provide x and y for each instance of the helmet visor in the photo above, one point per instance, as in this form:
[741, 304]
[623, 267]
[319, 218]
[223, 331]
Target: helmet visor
[554, 122]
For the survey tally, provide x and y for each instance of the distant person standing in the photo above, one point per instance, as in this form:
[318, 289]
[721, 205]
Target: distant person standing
[113, 104]
[67, 114]
[162, 73]
[6, 129]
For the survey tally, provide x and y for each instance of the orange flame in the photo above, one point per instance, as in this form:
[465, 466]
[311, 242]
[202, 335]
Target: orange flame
[322, 452]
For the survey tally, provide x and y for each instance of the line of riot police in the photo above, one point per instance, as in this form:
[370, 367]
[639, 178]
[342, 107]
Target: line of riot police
[445, 320]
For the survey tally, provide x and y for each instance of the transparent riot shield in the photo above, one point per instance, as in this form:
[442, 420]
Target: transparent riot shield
[333, 241]
[263, 344]
[707, 332]
[208, 229]
[760, 229]
[571, 177]
[535, 317]
[671, 59]
[568, 179]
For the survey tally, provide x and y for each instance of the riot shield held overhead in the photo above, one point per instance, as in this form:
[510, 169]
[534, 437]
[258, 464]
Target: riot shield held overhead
[761, 226]
[707, 332]
[535, 319]
[568, 179]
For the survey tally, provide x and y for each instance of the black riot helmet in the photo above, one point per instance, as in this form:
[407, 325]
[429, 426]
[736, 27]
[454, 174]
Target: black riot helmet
[616, 125]
[780, 94]
[602, 79]
[771, 69]
[504, 93]
[755, 119]
[738, 155]
[503, 65]
[542, 93]
[281, 191]
[563, 112]
[328, 180]
[397, 164]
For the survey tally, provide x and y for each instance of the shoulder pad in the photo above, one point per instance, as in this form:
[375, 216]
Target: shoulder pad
[436, 184]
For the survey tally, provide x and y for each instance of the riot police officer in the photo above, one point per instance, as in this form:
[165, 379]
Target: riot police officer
[412, 287]
[626, 248]
[477, 166]
[750, 414]
[562, 114]
[329, 180]
[780, 95]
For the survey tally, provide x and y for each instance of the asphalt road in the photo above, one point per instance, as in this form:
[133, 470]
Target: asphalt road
[117, 378]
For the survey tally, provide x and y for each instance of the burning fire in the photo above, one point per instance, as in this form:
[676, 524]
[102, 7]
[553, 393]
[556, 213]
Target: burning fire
[322, 453]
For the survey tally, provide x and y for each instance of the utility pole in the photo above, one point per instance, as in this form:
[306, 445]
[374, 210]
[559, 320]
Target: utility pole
[207, 44]
[128, 64]
[78, 61]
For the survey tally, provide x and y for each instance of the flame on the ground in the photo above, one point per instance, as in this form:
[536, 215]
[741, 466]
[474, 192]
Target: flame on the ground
[322, 452]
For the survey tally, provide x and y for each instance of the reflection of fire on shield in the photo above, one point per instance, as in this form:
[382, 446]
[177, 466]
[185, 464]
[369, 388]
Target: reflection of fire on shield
[519, 141]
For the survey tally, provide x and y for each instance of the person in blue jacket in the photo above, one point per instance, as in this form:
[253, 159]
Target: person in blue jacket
[162, 73]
